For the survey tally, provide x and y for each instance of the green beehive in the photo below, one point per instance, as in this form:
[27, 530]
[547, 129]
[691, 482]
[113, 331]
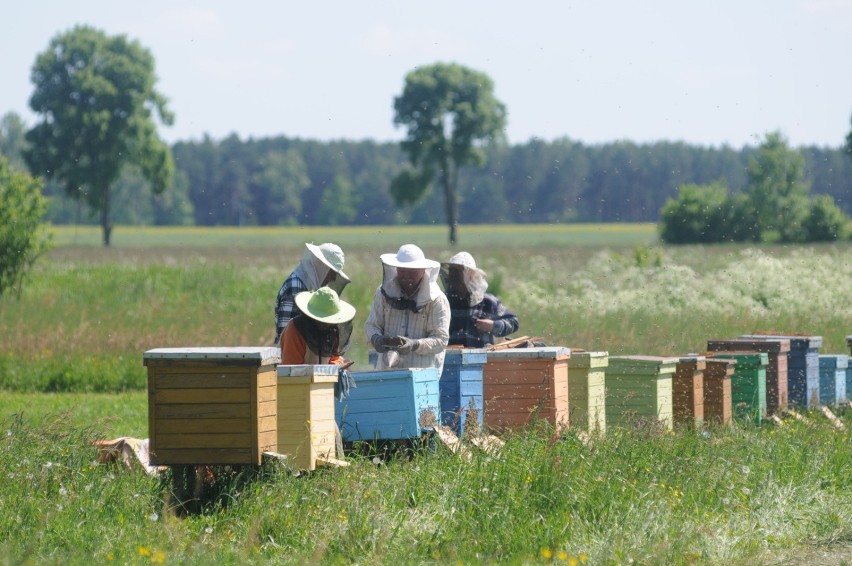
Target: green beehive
[639, 387]
[586, 394]
[748, 384]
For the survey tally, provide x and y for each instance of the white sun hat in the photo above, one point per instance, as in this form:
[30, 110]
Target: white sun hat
[409, 256]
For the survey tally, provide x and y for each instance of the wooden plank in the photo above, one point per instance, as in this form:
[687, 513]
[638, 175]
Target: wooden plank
[183, 456]
[449, 439]
[326, 462]
[200, 426]
[838, 424]
[209, 380]
[205, 411]
[215, 395]
[221, 440]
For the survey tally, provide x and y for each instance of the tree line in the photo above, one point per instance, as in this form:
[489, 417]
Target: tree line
[289, 181]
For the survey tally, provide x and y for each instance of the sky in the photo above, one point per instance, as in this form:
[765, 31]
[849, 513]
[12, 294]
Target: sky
[709, 73]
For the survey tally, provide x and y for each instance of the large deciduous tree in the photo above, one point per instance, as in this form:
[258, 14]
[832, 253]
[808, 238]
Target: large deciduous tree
[96, 98]
[450, 111]
[777, 189]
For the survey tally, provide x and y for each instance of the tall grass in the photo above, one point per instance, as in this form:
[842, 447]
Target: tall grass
[741, 495]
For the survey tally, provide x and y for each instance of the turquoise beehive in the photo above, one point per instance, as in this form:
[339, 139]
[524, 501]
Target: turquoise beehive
[461, 389]
[832, 378]
[389, 404]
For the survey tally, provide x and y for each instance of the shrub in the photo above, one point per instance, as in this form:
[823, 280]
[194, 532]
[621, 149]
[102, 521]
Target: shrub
[825, 221]
[21, 209]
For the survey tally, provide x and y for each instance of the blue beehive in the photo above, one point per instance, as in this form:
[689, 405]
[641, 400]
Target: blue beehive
[802, 367]
[832, 378]
[461, 388]
[389, 404]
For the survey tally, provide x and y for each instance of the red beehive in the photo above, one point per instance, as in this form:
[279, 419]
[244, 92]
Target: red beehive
[519, 384]
[718, 407]
[688, 390]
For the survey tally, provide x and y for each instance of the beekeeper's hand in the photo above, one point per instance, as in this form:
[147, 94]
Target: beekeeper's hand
[408, 346]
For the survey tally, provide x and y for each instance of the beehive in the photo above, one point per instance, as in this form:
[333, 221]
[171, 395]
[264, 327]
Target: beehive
[211, 405]
[461, 389]
[776, 350]
[521, 384]
[639, 387]
[718, 373]
[688, 391]
[748, 384]
[586, 390]
[389, 404]
[832, 378]
[306, 426]
[802, 366]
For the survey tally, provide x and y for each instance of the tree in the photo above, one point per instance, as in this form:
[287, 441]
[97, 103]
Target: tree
[449, 111]
[825, 221]
[21, 209]
[12, 141]
[95, 95]
[777, 189]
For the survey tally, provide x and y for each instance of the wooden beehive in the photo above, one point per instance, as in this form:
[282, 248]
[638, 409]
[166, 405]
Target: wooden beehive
[211, 405]
[306, 425]
[461, 389]
[802, 366]
[776, 350]
[586, 390]
[688, 391]
[639, 387]
[390, 404]
[718, 406]
[832, 378]
[748, 384]
[522, 384]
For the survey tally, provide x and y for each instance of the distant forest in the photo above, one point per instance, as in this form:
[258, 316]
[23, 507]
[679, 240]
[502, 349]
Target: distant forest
[284, 181]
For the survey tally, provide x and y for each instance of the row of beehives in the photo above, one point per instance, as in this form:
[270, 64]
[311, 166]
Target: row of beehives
[230, 405]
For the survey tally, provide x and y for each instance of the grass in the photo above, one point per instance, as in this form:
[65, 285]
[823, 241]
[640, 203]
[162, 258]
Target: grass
[71, 372]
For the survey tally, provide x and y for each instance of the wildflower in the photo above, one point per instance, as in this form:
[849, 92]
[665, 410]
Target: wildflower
[153, 517]
[63, 491]
[572, 561]
[746, 470]
[144, 551]
[562, 556]
[529, 479]
[159, 557]
[546, 553]
[583, 558]
[208, 530]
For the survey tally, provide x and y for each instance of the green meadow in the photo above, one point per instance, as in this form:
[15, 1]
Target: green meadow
[71, 372]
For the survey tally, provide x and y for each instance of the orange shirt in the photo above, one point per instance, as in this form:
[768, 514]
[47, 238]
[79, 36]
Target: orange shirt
[294, 350]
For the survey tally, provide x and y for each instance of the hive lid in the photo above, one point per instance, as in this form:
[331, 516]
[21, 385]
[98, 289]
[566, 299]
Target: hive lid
[584, 359]
[643, 364]
[769, 345]
[797, 341]
[307, 369]
[546, 352]
[263, 355]
[745, 359]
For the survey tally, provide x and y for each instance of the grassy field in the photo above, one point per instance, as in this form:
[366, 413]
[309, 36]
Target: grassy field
[71, 371]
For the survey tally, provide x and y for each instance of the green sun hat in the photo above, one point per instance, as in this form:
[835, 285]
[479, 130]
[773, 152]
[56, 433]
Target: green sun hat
[325, 306]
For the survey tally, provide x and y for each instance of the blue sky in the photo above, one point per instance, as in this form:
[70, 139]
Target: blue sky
[708, 73]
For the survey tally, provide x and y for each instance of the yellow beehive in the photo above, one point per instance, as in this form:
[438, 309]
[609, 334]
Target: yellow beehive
[211, 405]
[306, 426]
[586, 390]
